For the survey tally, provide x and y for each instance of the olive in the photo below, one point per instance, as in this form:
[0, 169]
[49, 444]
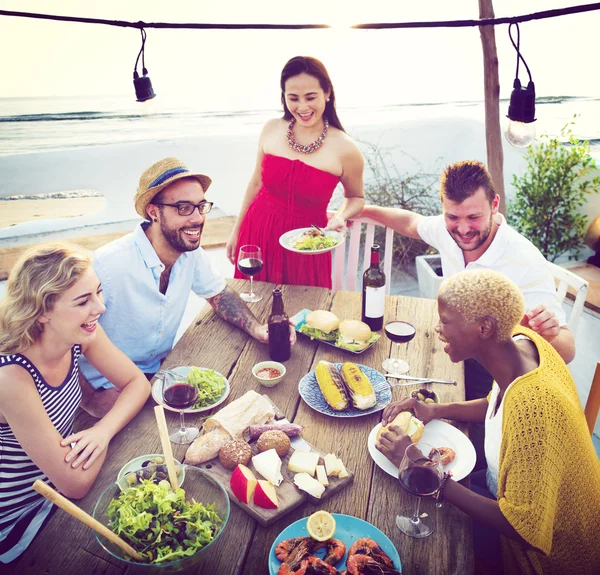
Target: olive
[161, 468]
[147, 473]
[131, 478]
[146, 463]
[158, 460]
[160, 475]
[420, 396]
[429, 400]
[140, 476]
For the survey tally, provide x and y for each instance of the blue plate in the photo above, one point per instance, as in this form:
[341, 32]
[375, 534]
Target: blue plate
[348, 530]
[300, 319]
[311, 393]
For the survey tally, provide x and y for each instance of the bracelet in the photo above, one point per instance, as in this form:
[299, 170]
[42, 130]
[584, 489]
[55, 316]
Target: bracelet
[439, 497]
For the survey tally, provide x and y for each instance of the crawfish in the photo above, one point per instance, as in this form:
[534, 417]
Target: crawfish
[370, 548]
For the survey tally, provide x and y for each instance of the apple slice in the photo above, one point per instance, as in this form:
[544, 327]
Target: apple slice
[265, 496]
[242, 483]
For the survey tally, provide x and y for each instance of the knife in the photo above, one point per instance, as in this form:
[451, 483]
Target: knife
[420, 379]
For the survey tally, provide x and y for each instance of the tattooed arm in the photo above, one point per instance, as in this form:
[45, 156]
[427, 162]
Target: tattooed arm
[230, 307]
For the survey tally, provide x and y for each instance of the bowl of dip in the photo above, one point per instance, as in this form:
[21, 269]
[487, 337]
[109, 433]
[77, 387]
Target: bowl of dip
[268, 373]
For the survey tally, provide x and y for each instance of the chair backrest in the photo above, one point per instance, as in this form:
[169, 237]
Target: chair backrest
[592, 405]
[580, 286]
[346, 266]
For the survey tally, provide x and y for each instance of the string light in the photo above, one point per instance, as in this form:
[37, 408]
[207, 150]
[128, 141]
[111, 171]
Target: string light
[521, 112]
[142, 84]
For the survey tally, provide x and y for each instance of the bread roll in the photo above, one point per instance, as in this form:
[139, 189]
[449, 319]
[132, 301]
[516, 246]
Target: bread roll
[235, 451]
[274, 439]
[408, 423]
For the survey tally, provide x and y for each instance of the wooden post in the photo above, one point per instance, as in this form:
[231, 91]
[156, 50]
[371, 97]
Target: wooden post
[493, 134]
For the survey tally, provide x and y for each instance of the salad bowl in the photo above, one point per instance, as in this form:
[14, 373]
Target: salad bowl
[115, 510]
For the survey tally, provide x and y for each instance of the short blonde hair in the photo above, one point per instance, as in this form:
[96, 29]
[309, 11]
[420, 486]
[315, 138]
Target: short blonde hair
[479, 294]
[35, 283]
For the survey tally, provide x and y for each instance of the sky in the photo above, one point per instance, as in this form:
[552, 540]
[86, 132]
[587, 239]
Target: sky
[239, 70]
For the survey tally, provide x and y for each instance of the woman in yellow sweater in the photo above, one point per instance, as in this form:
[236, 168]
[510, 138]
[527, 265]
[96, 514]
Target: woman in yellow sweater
[543, 474]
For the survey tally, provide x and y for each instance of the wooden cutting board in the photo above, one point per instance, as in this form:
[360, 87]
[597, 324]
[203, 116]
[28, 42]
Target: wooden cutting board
[288, 495]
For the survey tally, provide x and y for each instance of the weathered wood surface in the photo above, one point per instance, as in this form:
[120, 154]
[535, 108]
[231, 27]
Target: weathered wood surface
[66, 547]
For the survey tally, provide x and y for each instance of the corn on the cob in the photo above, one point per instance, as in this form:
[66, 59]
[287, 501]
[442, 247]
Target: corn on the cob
[359, 387]
[332, 385]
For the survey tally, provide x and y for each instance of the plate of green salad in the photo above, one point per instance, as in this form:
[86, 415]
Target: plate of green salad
[311, 241]
[213, 388]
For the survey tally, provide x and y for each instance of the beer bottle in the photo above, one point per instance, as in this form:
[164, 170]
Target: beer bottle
[279, 330]
[373, 299]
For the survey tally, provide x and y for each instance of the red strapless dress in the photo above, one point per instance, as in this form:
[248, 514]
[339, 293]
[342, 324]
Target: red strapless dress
[293, 195]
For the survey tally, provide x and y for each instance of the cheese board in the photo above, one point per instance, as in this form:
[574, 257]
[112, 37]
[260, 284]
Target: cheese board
[288, 495]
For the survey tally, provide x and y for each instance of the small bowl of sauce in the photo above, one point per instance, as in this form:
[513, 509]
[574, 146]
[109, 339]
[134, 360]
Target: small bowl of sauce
[268, 373]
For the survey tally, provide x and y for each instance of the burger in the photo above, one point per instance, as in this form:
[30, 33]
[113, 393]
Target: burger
[321, 324]
[406, 421]
[353, 335]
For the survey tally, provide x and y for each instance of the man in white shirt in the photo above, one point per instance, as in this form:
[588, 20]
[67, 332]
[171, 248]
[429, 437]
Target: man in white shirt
[147, 276]
[472, 234]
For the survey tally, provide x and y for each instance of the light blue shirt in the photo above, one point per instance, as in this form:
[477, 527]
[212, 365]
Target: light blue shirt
[139, 320]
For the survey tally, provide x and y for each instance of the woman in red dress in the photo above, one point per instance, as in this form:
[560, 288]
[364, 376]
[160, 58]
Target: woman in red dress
[302, 157]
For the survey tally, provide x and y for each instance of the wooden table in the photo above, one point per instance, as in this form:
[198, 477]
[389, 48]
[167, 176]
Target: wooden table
[65, 546]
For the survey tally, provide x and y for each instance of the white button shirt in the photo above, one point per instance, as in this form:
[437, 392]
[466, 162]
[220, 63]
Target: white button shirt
[509, 253]
[139, 320]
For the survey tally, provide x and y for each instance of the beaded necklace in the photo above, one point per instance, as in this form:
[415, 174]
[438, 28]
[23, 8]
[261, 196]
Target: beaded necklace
[309, 148]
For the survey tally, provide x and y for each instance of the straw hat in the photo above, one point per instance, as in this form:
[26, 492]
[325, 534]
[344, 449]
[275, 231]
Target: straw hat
[160, 175]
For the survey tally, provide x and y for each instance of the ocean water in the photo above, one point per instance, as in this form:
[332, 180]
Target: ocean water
[30, 125]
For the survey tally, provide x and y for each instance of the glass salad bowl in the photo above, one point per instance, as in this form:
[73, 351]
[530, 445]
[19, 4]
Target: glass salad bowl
[139, 513]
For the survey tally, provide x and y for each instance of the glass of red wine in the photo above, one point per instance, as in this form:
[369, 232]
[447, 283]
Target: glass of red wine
[250, 262]
[420, 473]
[398, 332]
[179, 394]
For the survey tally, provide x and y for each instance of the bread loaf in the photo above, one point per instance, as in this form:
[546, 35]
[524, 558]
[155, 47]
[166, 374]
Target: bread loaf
[274, 439]
[234, 452]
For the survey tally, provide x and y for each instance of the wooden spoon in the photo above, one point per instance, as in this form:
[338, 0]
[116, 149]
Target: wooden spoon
[85, 518]
[163, 433]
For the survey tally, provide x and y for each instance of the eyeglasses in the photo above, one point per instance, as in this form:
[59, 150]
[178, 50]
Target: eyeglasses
[187, 208]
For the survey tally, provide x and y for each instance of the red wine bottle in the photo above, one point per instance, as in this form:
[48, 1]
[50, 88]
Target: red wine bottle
[279, 330]
[373, 299]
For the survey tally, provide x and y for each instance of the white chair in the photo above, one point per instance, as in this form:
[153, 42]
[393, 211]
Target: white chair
[567, 279]
[346, 270]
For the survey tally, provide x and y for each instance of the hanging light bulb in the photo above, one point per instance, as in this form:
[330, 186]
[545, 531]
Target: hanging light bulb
[520, 131]
[142, 84]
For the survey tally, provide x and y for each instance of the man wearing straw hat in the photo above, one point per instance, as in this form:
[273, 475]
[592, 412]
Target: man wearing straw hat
[147, 275]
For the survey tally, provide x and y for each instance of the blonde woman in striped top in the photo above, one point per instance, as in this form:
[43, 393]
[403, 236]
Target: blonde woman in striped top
[48, 318]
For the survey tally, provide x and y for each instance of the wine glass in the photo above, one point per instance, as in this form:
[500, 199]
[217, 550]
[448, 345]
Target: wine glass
[420, 473]
[398, 332]
[250, 263]
[179, 394]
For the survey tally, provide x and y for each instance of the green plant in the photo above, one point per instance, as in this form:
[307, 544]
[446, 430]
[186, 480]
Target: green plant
[550, 194]
[386, 186]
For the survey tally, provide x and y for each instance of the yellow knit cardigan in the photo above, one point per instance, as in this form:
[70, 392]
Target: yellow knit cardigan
[549, 475]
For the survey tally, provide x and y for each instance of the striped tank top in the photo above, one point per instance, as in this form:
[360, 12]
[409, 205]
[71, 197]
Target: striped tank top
[23, 510]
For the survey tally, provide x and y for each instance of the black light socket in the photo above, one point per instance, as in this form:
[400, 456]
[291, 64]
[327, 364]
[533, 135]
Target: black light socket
[143, 87]
[522, 103]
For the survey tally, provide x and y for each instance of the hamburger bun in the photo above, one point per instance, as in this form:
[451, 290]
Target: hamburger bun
[354, 334]
[323, 320]
[406, 421]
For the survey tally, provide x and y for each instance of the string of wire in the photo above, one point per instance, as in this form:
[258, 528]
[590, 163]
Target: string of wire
[374, 26]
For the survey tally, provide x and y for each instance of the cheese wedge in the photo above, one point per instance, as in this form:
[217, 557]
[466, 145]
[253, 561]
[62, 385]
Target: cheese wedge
[303, 462]
[305, 482]
[322, 476]
[331, 465]
[268, 465]
[342, 473]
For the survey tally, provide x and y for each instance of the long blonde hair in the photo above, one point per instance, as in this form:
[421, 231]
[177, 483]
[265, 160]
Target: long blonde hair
[35, 283]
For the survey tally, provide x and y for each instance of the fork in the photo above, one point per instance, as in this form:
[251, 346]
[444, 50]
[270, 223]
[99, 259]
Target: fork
[318, 228]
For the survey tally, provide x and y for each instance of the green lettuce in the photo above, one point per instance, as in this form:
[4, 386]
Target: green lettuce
[158, 522]
[355, 345]
[315, 333]
[209, 383]
[307, 242]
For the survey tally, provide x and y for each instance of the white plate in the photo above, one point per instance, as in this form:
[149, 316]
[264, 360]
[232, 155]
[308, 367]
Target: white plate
[183, 371]
[286, 241]
[439, 434]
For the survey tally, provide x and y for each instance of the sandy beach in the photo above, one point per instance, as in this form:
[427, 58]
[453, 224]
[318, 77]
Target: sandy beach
[19, 211]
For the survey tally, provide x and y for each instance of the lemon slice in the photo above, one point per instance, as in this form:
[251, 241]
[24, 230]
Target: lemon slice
[321, 526]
